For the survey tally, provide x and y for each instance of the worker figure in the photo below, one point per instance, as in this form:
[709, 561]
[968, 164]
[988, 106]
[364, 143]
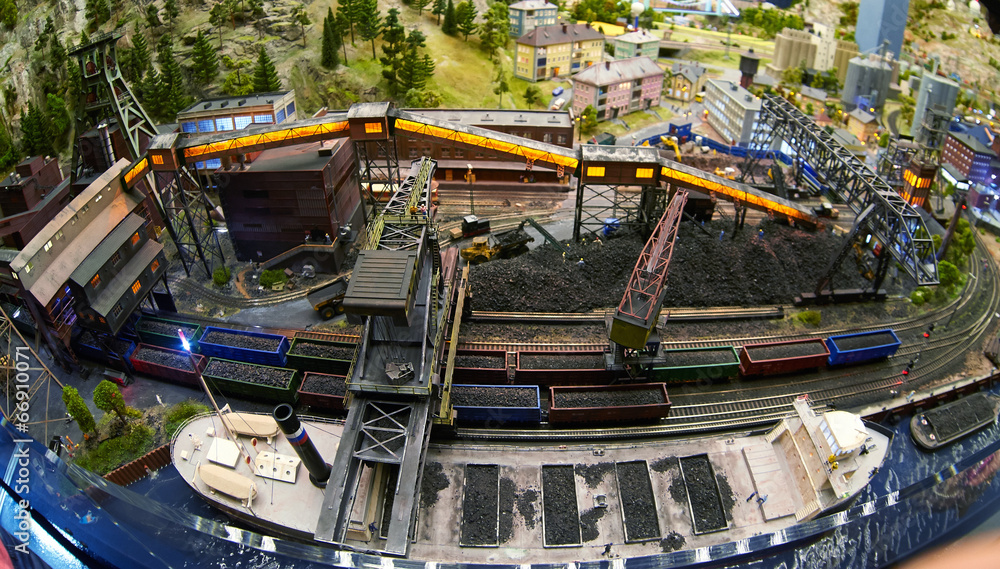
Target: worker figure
[413, 212]
[721, 234]
[760, 234]
[607, 549]
[580, 263]
[761, 499]
[583, 240]
[373, 529]
[598, 240]
[564, 256]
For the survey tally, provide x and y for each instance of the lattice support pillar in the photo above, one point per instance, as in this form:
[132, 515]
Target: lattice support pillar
[637, 208]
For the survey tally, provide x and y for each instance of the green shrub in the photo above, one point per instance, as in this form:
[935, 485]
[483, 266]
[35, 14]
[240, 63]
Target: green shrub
[179, 413]
[76, 407]
[272, 277]
[221, 275]
[810, 318]
[917, 297]
[112, 453]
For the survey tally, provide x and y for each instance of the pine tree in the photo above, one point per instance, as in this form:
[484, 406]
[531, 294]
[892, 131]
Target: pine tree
[257, 13]
[43, 39]
[84, 38]
[36, 139]
[501, 85]
[205, 62]
[369, 21]
[58, 116]
[420, 5]
[415, 70]
[465, 16]
[8, 13]
[347, 13]
[450, 25]
[152, 93]
[265, 76]
[393, 45]
[494, 31]
[172, 79]
[340, 27]
[237, 83]
[438, 10]
[141, 59]
[329, 56]
[153, 16]
[171, 11]
[218, 17]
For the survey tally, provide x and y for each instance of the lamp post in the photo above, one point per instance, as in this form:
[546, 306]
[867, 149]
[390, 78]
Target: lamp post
[579, 127]
[468, 178]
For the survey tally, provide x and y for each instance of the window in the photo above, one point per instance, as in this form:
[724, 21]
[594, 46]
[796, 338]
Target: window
[595, 171]
[224, 124]
[47, 246]
[427, 151]
[72, 220]
[27, 268]
[446, 152]
[98, 198]
[561, 139]
[206, 125]
[290, 109]
[154, 265]
[413, 152]
[117, 311]
[85, 207]
[136, 287]
[547, 137]
[643, 172]
[116, 258]
[59, 234]
[459, 153]
[189, 127]
[373, 127]
[263, 119]
[135, 238]
[95, 281]
[255, 194]
[280, 117]
[157, 159]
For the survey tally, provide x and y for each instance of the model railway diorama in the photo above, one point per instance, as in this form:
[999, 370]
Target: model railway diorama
[399, 442]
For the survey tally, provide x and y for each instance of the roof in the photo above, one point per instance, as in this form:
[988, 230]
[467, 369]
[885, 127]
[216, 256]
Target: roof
[954, 172]
[219, 103]
[847, 429]
[532, 5]
[737, 94]
[764, 79]
[126, 278]
[862, 116]
[690, 71]
[641, 36]
[493, 117]
[619, 70]
[297, 158]
[813, 93]
[560, 33]
[109, 245]
[971, 142]
[603, 153]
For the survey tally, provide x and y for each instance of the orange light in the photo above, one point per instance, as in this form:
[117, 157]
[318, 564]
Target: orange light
[247, 143]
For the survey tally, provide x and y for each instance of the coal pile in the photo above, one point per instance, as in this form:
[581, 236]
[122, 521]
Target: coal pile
[960, 416]
[324, 384]
[593, 474]
[167, 328]
[704, 270]
[638, 505]
[472, 396]
[706, 504]
[507, 493]
[559, 513]
[672, 542]
[249, 373]
[326, 351]
[432, 482]
[480, 361]
[594, 398]
[560, 361]
[866, 341]
[665, 464]
[525, 502]
[588, 523]
[480, 505]
[241, 341]
[163, 357]
[782, 351]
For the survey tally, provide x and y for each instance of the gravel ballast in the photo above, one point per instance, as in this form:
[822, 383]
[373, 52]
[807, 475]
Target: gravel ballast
[480, 505]
[559, 512]
[638, 504]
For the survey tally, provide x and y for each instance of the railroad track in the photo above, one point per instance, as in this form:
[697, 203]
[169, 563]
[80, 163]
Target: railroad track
[673, 314]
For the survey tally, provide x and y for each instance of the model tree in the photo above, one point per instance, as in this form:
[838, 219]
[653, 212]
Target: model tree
[500, 84]
[420, 5]
[139, 58]
[450, 25]
[328, 55]
[265, 76]
[438, 10]
[36, 133]
[369, 21]
[217, 17]
[152, 16]
[173, 97]
[237, 83]
[415, 69]
[301, 17]
[465, 16]
[8, 13]
[393, 45]
[108, 398]
[495, 30]
[532, 95]
[171, 11]
[347, 14]
[77, 408]
[205, 62]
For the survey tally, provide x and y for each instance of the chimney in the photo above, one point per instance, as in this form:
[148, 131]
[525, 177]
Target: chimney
[564, 28]
[607, 65]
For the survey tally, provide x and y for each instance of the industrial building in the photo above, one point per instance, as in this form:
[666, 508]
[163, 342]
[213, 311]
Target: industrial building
[553, 51]
[867, 83]
[936, 92]
[792, 48]
[881, 22]
[530, 14]
[636, 44]
[861, 124]
[732, 110]
[969, 156]
[29, 197]
[618, 87]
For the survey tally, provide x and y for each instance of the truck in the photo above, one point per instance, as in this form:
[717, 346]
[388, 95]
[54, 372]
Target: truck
[328, 299]
[827, 210]
[504, 244]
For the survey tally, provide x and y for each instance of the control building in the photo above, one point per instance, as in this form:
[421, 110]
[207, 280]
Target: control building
[732, 110]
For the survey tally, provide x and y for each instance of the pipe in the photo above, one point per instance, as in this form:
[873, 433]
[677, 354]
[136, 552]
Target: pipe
[288, 421]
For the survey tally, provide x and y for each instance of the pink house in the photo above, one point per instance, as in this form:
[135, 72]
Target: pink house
[618, 87]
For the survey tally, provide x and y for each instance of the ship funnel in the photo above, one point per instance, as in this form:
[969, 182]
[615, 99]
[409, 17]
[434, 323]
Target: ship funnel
[288, 421]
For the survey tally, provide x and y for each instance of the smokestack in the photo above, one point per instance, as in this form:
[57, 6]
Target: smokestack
[288, 421]
[564, 28]
[607, 65]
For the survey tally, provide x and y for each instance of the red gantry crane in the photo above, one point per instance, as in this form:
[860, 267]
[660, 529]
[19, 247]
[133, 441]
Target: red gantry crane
[639, 310]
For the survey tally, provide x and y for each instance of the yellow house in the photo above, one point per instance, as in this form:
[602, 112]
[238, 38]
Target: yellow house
[684, 81]
[861, 124]
[552, 51]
